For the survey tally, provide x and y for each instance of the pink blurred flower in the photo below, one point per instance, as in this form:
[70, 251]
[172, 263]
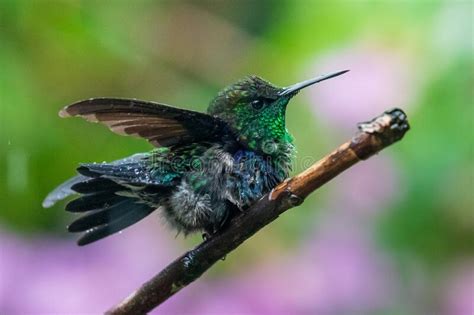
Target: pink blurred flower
[55, 276]
[459, 291]
[366, 188]
[336, 273]
[380, 79]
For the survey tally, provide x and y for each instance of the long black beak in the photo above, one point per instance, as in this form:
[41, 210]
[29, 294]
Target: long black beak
[293, 89]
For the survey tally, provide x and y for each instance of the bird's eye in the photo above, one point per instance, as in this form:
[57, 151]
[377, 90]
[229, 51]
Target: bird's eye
[258, 104]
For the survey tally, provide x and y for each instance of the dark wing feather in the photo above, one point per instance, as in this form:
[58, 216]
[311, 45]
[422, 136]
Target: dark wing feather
[160, 124]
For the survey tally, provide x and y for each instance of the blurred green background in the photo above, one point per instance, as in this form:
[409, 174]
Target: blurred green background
[410, 209]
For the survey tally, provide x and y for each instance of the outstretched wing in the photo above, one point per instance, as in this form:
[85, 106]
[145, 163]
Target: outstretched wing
[160, 124]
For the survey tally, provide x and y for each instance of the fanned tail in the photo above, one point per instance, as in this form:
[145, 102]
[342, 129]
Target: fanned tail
[109, 208]
[112, 197]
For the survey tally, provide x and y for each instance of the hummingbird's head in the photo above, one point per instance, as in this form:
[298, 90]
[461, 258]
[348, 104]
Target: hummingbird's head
[255, 111]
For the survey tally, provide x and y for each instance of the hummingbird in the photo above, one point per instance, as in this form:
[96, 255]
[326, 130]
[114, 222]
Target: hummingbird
[204, 169]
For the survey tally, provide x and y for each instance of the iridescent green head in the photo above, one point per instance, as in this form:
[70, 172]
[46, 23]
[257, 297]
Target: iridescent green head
[255, 110]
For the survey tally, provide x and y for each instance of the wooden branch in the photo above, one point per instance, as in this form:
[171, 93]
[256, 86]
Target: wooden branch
[372, 137]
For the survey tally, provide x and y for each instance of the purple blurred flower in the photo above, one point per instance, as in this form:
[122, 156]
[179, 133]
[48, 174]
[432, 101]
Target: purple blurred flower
[366, 189]
[380, 78]
[459, 291]
[336, 273]
[56, 276]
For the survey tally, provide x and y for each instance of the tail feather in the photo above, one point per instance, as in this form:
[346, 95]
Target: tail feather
[94, 185]
[96, 201]
[132, 168]
[99, 217]
[136, 172]
[62, 191]
[136, 212]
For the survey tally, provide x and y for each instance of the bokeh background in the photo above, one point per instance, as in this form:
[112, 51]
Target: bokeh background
[392, 235]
